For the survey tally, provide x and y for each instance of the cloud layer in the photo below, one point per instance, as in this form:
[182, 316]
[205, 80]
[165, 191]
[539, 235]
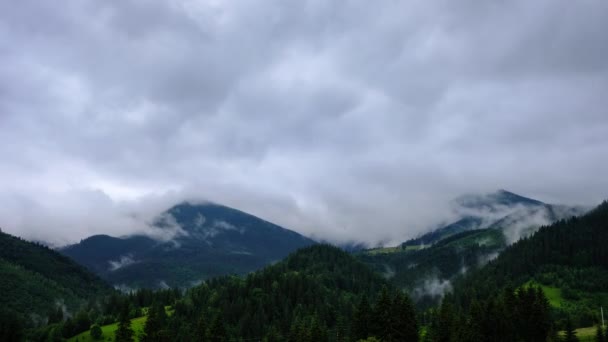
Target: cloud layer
[338, 119]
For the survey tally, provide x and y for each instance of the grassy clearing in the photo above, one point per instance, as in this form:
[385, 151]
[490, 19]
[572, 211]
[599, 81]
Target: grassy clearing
[583, 334]
[109, 331]
[553, 294]
[390, 250]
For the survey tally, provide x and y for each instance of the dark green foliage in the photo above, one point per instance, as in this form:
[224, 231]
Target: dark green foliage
[217, 330]
[124, 332]
[96, 332]
[11, 326]
[312, 294]
[569, 254]
[520, 316]
[403, 316]
[444, 260]
[33, 278]
[600, 335]
[569, 333]
[154, 330]
[362, 320]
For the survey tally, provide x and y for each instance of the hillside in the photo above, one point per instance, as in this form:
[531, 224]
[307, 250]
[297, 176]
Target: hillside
[212, 240]
[35, 280]
[318, 285]
[312, 295]
[427, 273]
[516, 215]
[426, 266]
[569, 258]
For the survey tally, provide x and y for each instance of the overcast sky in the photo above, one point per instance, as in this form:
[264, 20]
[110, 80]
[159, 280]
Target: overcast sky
[338, 119]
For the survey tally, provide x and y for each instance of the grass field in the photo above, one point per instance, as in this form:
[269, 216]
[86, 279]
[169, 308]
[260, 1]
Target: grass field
[389, 250]
[110, 330]
[553, 294]
[584, 334]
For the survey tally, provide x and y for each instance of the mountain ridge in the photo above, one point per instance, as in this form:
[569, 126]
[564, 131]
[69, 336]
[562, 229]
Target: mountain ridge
[210, 240]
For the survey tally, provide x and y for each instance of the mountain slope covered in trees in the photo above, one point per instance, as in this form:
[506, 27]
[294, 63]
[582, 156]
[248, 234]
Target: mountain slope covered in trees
[569, 256]
[35, 280]
[209, 240]
[427, 266]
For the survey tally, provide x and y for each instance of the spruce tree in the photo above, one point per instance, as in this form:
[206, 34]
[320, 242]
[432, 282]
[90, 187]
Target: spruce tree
[155, 324]
[382, 317]
[124, 332]
[362, 318]
[403, 316]
[217, 330]
[201, 329]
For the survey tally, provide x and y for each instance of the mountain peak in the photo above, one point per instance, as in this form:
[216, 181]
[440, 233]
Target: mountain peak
[495, 199]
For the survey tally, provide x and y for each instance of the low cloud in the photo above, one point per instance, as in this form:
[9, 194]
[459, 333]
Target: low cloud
[123, 261]
[433, 287]
[340, 120]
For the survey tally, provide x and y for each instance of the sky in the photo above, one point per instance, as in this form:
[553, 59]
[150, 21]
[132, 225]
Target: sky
[342, 120]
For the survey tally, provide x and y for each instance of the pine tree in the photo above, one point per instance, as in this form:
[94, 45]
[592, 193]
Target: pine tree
[124, 332]
[155, 324]
[201, 329]
[445, 323]
[362, 318]
[217, 330]
[403, 316]
[382, 317]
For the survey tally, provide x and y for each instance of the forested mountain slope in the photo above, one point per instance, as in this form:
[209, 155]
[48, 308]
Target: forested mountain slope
[35, 280]
[427, 266]
[210, 240]
[310, 296]
[569, 257]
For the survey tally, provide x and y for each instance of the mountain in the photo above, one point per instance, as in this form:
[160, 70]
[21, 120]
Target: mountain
[210, 240]
[516, 215]
[569, 259]
[426, 266]
[35, 280]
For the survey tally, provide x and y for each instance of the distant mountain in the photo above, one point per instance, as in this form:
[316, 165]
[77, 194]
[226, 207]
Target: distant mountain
[569, 259]
[488, 223]
[35, 280]
[211, 240]
[516, 215]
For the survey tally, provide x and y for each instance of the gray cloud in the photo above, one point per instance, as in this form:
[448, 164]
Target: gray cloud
[341, 120]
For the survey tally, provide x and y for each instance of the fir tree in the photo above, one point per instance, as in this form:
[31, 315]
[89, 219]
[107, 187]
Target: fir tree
[382, 317]
[403, 317]
[217, 330]
[155, 324]
[124, 332]
[362, 320]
